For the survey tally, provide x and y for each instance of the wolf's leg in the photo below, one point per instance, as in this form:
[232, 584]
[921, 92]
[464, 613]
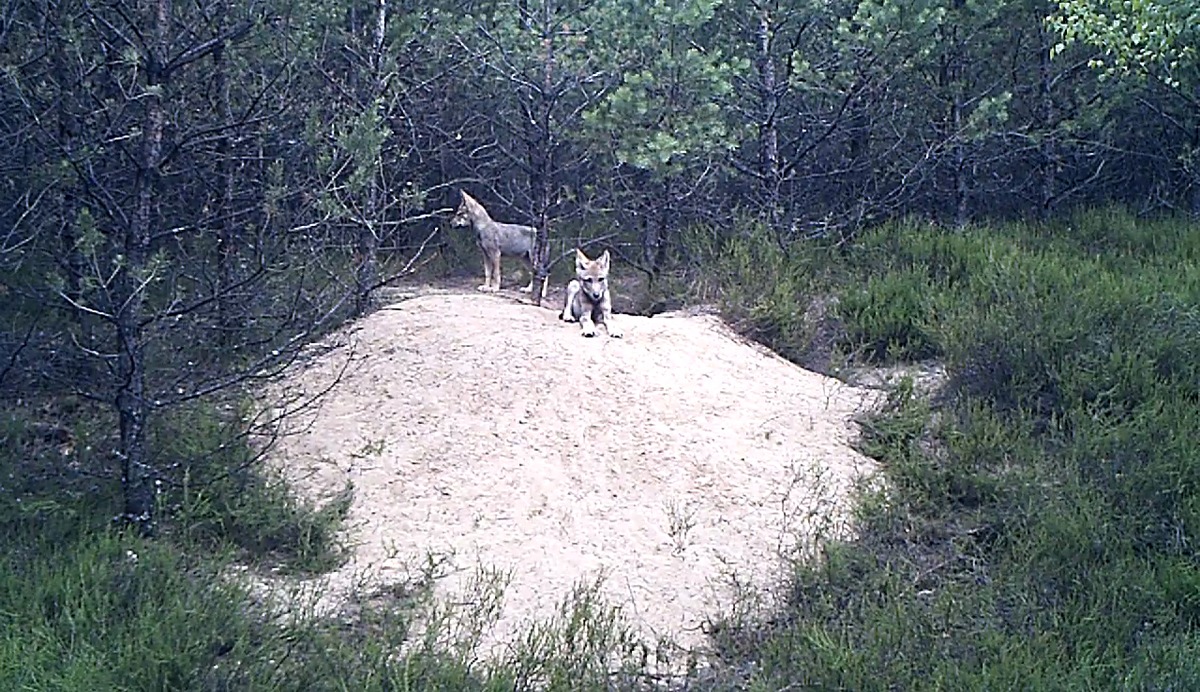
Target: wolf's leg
[604, 308]
[568, 311]
[613, 330]
[532, 276]
[585, 321]
[491, 270]
[587, 315]
[487, 271]
[496, 270]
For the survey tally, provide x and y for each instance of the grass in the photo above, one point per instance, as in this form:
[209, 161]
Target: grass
[95, 611]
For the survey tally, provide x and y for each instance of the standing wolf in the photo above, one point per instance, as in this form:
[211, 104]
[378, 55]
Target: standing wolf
[496, 239]
[588, 299]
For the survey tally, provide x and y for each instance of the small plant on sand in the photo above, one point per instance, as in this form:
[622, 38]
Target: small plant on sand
[681, 519]
[371, 448]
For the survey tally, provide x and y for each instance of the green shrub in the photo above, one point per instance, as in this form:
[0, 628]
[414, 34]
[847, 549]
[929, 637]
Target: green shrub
[889, 318]
[220, 491]
[782, 299]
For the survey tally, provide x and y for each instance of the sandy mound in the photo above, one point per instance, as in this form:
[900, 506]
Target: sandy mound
[668, 461]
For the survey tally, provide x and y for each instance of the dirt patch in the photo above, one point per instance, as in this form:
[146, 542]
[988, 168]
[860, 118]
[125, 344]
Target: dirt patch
[675, 462]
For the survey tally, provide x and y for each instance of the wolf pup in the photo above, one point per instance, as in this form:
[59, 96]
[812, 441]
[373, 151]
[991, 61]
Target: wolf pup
[496, 239]
[588, 299]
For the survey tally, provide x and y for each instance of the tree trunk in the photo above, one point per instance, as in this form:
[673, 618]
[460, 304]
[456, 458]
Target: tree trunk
[952, 80]
[960, 162]
[651, 236]
[768, 129]
[1194, 201]
[666, 226]
[542, 169]
[540, 188]
[1047, 149]
[540, 172]
[367, 272]
[66, 200]
[226, 240]
[132, 407]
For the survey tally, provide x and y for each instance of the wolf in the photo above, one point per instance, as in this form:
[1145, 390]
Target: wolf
[496, 239]
[588, 297]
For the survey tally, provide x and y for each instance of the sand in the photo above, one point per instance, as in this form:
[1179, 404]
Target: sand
[682, 464]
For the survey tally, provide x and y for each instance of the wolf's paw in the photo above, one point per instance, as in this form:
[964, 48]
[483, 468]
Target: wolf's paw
[527, 289]
[589, 331]
[615, 333]
[486, 289]
[565, 316]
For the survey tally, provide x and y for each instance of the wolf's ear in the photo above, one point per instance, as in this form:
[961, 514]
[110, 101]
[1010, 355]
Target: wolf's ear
[581, 260]
[603, 259]
[464, 195]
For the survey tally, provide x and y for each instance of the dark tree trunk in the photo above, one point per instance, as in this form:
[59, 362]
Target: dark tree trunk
[1194, 162]
[541, 174]
[961, 186]
[1047, 148]
[768, 129]
[950, 80]
[660, 231]
[1195, 196]
[66, 198]
[367, 271]
[652, 241]
[132, 407]
[959, 147]
[226, 235]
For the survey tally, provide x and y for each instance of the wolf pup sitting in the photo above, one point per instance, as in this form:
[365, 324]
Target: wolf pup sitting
[588, 299]
[496, 239]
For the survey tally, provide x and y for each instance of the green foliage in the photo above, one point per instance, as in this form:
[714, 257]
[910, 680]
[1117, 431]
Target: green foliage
[668, 105]
[361, 138]
[945, 465]
[86, 609]
[1037, 528]
[93, 611]
[1148, 36]
[214, 491]
[767, 293]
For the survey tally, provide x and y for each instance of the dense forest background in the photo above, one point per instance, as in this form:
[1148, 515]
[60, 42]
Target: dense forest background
[190, 192]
